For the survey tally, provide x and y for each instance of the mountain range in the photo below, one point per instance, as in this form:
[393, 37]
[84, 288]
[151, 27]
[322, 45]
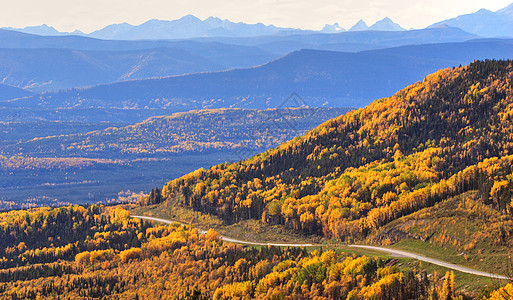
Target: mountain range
[279, 44]
[385, 24]
[484, 22]
[322, 78]
[44, 63]
[187, 27]
[190, 26]
[50, 68]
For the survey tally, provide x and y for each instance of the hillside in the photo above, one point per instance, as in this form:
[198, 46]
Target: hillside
[436, 139]
[52, 69]
[44, 69]
[10, 92]
[321, 78]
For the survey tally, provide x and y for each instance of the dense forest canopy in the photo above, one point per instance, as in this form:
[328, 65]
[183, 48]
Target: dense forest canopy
[197, 131]
[98, 252]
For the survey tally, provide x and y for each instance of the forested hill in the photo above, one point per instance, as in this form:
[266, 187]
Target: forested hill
[10, 92]
[199, 131]
[322, 78]
[438, 138]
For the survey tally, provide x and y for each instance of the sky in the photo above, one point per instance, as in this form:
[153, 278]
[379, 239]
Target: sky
[90, 15]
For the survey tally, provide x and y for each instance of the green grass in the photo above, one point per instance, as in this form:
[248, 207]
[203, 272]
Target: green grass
[467, 282]
[460, 230]
[248, 230]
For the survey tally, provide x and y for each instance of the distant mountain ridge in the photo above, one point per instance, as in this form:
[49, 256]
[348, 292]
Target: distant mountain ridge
[186, 27]
[45, 63]
[282, 44]
[484, 22]
[190, 26]
[39, 30]
[44, 69]
[322, 78]
[385, 24]
[359, 26]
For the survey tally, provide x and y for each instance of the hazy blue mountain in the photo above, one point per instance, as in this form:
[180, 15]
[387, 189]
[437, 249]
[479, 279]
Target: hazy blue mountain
[386, 25]
[484, 22]
[186, 27]
[40, 68]
[359, 26]
[190, 26]
[39, 30]
[111, 31]
[15, 39]
[346, 41]
[44, 30]
[47, 62]
[51, 69]
[335, 28]
[328, 78]
[352, 41]
[10, 92]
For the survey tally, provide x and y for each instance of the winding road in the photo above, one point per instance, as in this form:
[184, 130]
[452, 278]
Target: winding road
[382, 249]
[224, 238]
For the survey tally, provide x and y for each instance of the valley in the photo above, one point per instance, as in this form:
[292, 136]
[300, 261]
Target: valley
[51, 162]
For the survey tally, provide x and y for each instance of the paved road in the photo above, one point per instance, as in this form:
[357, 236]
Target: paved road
[388, 250]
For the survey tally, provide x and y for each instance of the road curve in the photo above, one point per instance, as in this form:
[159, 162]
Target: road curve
[224, 238]
[382, 249]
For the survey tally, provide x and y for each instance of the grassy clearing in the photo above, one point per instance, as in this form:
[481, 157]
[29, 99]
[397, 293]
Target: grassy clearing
[461, 230]
[248, 230]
